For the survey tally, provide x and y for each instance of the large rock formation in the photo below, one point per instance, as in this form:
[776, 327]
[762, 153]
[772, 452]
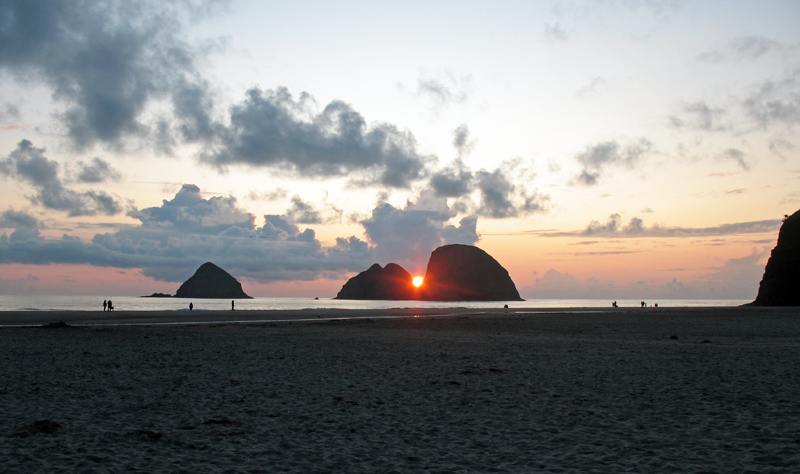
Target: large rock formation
[466, 273]
[780, 285]
[455, 273]
[388, 283]
[210, 281]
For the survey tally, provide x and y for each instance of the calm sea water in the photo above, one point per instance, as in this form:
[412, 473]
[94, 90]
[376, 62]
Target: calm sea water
[132, 303]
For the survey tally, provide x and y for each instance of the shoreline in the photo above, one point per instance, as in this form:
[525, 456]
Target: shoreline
[27, 318]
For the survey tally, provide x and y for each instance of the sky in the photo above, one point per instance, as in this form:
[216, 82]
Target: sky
[620, 149]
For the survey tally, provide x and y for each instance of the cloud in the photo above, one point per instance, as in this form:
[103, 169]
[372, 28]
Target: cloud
[97, 171]
[274, 195]
[408, 236]
[613, 227]
[590, 89]
[452, 181]
[597, 158]
[26, 227]
[443, 89]
[271, 129]
[776, 102]
[178, 236]
[105, 62]
[28, 164]
[737, 156]
[555, 33]
[747, 47]
[302, 212]
[700, 116]
[461, 140]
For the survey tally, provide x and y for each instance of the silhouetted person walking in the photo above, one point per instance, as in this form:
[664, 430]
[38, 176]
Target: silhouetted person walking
[191, 306]
[105, 304]
[231, 305]
[110, 305]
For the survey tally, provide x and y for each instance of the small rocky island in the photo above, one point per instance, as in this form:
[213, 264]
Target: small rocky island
[780, 285]
[391, 282]
[455, 273]
[209, 281]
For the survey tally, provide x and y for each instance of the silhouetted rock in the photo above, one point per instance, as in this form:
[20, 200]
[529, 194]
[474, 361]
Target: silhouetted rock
[210, 281]
[466, 273]
[391, 282]
[158, 295]
[780, 285]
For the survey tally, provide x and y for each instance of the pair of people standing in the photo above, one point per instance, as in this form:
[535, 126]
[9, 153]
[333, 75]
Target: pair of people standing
[108, 305]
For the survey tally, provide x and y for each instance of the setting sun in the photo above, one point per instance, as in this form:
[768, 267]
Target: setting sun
[417, 281]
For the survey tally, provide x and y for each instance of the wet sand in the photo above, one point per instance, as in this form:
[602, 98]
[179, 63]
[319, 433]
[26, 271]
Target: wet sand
[607, 390]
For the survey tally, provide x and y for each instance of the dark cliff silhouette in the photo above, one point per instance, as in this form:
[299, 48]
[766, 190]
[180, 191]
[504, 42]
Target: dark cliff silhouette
[210, 281]
[780, 285]
[466, 273]
[388, 283]
[455, 273]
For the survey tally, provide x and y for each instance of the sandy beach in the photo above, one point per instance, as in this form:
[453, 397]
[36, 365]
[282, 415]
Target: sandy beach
[606, 390]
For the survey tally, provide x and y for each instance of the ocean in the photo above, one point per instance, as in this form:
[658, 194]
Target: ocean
[135, 303]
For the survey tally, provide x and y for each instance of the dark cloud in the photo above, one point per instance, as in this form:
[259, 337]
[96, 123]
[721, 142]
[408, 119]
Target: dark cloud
[188, 211]
[408, 236]
[105, 61]
[461, 140]
[177, 237]
[97, 171]
[301, 212]
[614, 227]
[272, 130]
[595, 159]
[24, 225]
[453, 181]
[28, 164]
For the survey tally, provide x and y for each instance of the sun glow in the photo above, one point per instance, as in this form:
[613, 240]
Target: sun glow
[417, 281]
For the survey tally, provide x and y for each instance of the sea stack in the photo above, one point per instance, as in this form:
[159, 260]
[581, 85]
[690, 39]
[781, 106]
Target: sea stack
[780, 285]
[391, 282]
[210, 281]
[466, 273]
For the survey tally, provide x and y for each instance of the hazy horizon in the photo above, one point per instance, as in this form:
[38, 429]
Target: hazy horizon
[596, 149]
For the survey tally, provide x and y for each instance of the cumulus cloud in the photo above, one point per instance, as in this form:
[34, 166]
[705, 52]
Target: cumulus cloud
[28, 164]
[97, 171]
[24, 225]
[104, 62]
[614, 227]
[302, 212]
[502, 192]
[462, 141]
[407, 236]
[271, 129]
[597, 158]
[178, 236]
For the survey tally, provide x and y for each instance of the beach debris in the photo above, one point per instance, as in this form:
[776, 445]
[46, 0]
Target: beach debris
[55, 325]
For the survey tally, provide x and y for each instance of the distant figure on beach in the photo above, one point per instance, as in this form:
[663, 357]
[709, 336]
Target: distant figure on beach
[231, 305]
[656, 305]
[191, 306]
[644, 304]
[110, 305]
[105, 303]
[614, 305]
